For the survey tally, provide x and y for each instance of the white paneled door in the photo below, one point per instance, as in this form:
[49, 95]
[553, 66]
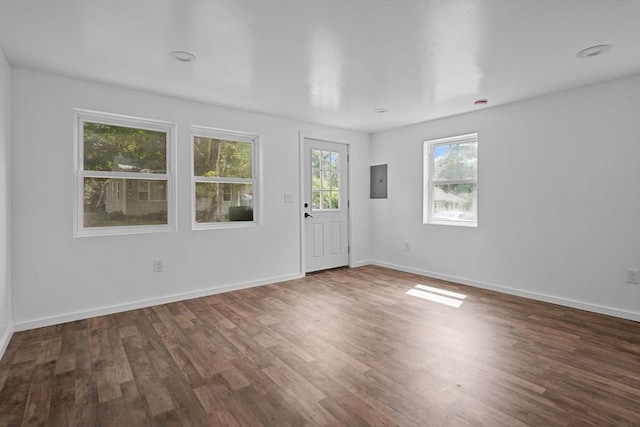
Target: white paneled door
[326, 205]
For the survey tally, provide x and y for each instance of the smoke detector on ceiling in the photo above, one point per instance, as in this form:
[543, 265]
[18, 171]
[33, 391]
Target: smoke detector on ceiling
[593, 51]
[183, 56]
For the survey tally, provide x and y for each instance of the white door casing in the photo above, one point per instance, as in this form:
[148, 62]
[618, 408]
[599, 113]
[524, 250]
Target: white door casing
[326, 204]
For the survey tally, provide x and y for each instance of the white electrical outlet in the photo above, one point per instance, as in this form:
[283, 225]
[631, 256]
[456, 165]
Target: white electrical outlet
[157, 266]
[633, 276]
[288, 197]
[407, 246]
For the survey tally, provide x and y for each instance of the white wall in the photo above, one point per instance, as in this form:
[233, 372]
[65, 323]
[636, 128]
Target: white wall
[559, 199]
[57, 277]
[559, 204]
[5, 224]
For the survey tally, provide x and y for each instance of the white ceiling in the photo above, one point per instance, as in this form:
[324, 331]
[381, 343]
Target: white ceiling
[329, 61]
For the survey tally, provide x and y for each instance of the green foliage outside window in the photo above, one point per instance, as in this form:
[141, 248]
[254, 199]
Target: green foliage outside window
[138, 150]
[220, 158]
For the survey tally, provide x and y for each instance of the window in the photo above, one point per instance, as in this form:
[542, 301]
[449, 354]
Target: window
[151, 191]
[451, 181]
[226, 193]
[115, 190]
[224, 178]
[134, 158]
[325, 180]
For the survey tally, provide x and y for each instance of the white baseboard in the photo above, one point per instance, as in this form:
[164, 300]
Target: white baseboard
[629, 315]
[4, 340]
[101, 311]
[70, 317]
[361, 263]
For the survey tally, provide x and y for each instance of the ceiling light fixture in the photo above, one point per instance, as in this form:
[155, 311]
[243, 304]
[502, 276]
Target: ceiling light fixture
[593, 51]
[183, 56]
[481, 103]
[381, 110]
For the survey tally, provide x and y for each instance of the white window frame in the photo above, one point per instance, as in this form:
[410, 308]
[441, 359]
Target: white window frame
[429, 182]
[82, 116]
[255, 180]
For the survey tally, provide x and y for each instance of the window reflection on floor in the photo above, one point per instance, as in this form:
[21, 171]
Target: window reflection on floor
[442, 296]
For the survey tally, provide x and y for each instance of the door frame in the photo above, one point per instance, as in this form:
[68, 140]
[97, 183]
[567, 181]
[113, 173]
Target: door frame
[302, 135]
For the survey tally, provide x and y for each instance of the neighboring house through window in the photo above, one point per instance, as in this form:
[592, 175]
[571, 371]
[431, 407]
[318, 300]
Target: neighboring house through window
[133, 156]
[451, 181]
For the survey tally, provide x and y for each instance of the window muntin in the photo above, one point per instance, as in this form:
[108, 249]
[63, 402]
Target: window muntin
[133, 157]
[325, 180]
[224, 178]
[451, 181]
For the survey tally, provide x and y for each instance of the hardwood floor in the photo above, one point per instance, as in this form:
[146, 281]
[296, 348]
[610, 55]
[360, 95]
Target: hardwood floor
[343, 347]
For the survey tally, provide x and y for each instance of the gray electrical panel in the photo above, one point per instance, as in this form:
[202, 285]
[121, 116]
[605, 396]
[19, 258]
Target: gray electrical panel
[378, 182]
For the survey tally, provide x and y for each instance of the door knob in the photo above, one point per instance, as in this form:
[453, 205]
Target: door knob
[306, 215]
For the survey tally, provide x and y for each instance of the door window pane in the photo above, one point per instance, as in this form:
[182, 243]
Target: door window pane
[315, 159]
[326, 200]
[335, 157]
[335, 182]
[326, 180]
[326, 160]
[316, 180]
[335, 200]
[316, 200]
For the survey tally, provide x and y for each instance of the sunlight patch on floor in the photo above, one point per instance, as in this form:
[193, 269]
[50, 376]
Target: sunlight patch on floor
[440, 291]
[442, 296]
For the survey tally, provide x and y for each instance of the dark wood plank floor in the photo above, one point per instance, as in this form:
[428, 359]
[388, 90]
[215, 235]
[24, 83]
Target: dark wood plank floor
[343, 347]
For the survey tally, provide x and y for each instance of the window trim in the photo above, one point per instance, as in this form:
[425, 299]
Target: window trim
[429, 183]
[80, 117]
[255, 180]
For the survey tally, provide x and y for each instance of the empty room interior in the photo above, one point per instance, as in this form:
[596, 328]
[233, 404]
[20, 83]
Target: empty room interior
[296, 213]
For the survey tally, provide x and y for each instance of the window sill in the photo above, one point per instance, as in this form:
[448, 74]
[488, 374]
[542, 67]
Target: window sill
[125, 230]
[224, 225]
[468, 224]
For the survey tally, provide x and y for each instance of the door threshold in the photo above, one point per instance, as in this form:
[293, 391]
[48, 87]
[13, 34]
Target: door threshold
[327, 269]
